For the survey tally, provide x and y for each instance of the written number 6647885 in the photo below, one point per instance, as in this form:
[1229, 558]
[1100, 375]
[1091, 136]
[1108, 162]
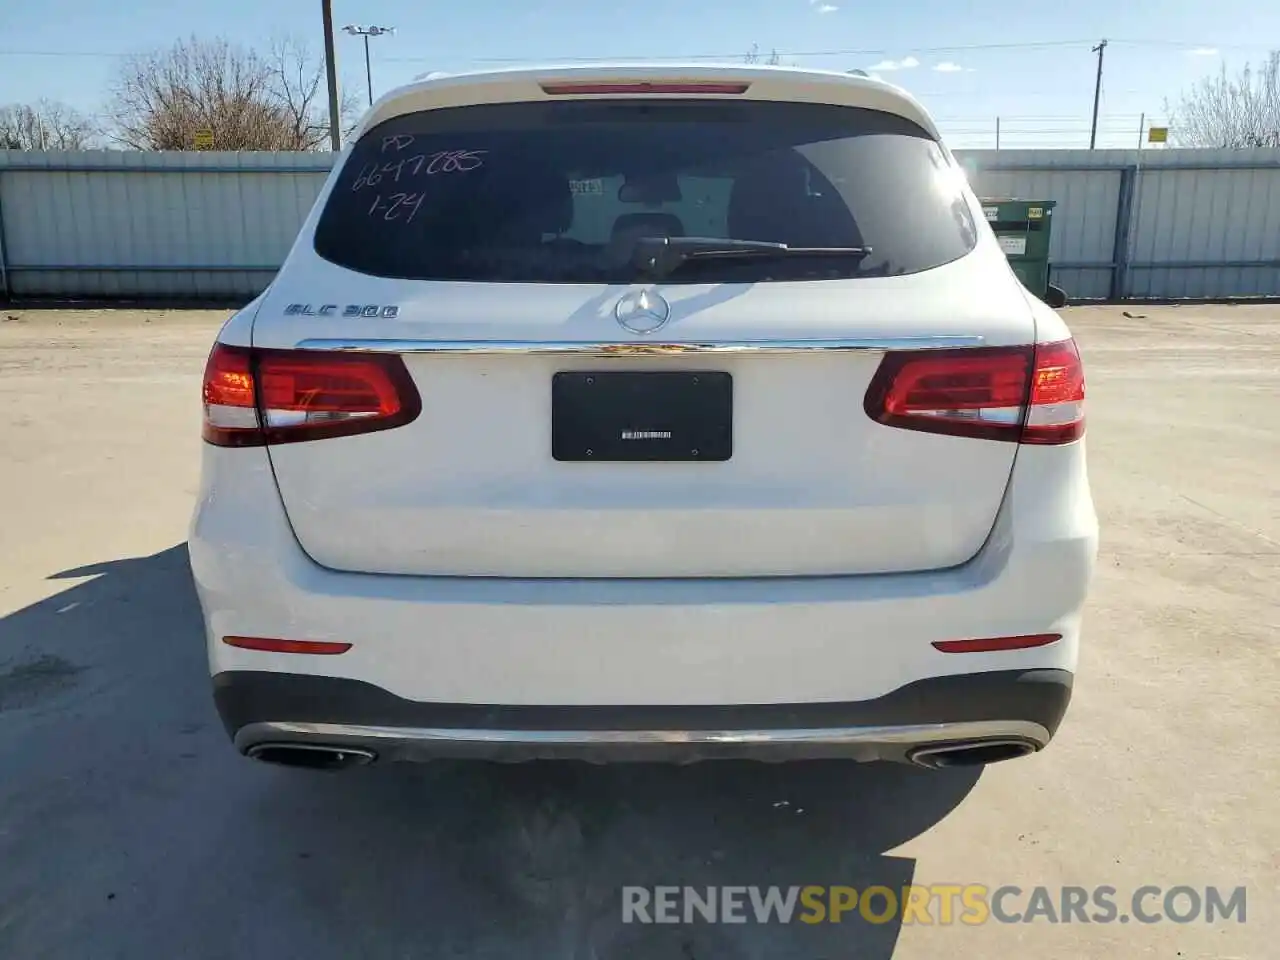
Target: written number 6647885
[424, 164]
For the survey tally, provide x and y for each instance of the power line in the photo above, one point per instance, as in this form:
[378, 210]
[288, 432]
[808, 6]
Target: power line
[1032, 132]
[738, 54]
[65, 53]
[1033, 118]
[854, 52]
[848, 52]
[1188, 44]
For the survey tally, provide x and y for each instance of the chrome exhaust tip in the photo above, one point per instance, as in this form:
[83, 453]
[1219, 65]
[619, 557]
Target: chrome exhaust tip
[971, 753]
[310, 756]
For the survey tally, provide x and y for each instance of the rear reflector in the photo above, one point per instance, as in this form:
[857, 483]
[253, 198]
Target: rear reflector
[272, 645]
[254, 397]
[1026, 394]
[643, 88]
[992, 644]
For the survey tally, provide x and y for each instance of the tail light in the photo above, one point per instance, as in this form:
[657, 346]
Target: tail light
[1024, 394]
[254, 397]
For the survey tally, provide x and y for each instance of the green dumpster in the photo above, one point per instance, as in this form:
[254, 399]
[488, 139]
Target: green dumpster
[1023, 227]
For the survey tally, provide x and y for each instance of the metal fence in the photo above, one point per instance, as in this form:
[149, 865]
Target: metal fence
[1155, 223]
[105, 223]
[1151, 223]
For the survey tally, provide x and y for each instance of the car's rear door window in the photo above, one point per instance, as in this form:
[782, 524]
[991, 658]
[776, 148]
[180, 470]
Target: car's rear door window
[559, 192]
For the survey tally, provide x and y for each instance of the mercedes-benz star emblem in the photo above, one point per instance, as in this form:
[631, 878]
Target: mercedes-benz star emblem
[642, 311]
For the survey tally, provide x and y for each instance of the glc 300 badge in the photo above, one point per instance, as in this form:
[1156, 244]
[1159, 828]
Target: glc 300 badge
[388, 312]
[642, 311]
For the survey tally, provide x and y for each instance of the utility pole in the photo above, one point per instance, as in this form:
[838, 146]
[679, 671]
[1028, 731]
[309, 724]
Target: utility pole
[997, 133]
[1142, 128]
[1097, 93]
[331, 75]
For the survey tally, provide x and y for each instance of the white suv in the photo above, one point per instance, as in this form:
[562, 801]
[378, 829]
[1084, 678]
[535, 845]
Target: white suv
[640, 412]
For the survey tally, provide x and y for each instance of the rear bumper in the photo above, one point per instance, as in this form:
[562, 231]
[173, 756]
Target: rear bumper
[262, 708]
[656, 644]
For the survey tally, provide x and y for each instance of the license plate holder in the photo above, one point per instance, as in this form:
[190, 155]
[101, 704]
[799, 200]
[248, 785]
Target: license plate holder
[668, 415]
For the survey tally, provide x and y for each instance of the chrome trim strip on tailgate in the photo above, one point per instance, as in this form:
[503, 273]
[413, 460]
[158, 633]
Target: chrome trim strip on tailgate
[605, 348]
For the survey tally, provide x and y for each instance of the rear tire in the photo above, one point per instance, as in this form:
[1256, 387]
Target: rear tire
[1056, 297]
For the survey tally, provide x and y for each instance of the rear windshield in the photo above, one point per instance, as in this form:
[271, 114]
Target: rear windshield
[560, 192]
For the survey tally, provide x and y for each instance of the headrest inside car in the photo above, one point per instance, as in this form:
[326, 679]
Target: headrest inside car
[650, 190]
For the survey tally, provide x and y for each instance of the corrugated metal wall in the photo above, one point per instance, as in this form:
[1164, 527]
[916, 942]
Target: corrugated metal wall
[1156, 223]
[1152, 223]
[1082, 243]
[112, 224]
[1206, 233]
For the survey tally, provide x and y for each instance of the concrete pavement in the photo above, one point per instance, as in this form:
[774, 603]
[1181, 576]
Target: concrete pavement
[129, 827]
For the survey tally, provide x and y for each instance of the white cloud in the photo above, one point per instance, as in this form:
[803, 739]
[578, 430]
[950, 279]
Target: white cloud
[827, 8]
[1204, 52]
[906, 63]
[946, 66]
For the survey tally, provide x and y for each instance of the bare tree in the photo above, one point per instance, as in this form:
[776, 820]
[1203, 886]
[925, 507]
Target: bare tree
[1231, 111]
[45, 125]
[298, 86]
[246, 101]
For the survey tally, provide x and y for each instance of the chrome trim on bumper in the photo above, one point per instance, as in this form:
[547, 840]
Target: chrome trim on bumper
[608, 348]
[861, 743]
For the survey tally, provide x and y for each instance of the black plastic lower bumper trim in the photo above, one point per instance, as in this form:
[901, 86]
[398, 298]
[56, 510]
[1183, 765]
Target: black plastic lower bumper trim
[1037, 696]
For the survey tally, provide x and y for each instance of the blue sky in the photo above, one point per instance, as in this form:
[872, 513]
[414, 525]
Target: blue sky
[968, 68]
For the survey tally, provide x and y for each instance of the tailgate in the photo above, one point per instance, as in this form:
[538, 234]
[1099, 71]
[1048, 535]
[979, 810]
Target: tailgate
[808, 483]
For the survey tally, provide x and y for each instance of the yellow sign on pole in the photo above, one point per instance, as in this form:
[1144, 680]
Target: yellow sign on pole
[1157, 135]
[203, 139]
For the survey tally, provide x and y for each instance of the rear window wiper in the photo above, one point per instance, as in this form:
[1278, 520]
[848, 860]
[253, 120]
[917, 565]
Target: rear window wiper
[662, 255]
